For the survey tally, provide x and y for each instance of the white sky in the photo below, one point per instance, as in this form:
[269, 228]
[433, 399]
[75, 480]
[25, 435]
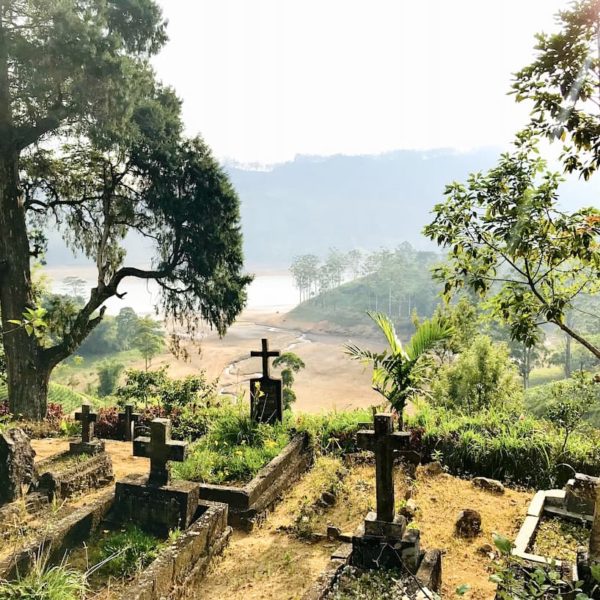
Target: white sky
[264, 80]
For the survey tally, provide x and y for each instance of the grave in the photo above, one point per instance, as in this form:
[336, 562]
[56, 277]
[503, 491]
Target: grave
[266, 401]
[127, 420]
[87, 445]
[157, 506]
[154, 501]
[17, 470]
[85, 466]
[383, 541]
[574, 503]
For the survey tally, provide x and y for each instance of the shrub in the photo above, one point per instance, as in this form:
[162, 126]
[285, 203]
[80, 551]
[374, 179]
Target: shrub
[107, 423]
[505, 445]
[482, 377]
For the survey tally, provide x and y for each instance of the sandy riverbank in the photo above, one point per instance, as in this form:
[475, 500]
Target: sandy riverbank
[330, 381]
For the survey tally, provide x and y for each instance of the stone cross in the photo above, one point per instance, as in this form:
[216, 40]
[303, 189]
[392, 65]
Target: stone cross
[87, 418]
[160, 449]
[265, 354]
[383, 442]
[127, 418]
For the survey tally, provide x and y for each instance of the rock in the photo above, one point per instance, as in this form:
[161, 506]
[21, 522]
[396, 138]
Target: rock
[490, 485]
[17, 471]
[433, 468]
[485, 549]
[409, 510]
[468, 524]
[328, 499]
[429, 574]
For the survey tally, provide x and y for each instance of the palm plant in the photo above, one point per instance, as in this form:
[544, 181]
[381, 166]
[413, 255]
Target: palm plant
[399, 372]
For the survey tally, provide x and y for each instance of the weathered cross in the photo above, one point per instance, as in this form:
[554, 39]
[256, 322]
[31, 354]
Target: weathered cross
[127, 418]
[383, 441]
[87, 418]
[160, 449]
[265, 354]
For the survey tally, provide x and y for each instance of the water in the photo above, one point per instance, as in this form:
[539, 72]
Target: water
[268, 292]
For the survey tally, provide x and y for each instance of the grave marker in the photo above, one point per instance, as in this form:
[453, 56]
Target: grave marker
[383, 441]
[126, 419]
[160, 449]
[266, 401]
[88, 444]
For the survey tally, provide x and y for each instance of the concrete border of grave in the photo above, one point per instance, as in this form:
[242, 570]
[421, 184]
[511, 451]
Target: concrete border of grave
[564, 504]
[94, 473]
[176, 568]
[249, 505]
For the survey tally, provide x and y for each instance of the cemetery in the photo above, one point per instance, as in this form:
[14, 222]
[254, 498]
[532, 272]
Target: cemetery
[342, 345]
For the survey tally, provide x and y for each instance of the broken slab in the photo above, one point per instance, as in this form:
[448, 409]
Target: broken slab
[17, 470]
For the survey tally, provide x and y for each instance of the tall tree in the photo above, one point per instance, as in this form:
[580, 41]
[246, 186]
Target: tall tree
[507, 240]
[77, 71]
[563, 84]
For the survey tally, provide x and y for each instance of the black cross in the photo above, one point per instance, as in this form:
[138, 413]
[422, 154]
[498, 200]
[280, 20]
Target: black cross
[160, 449]
[87, 418]
[127, 418]
[383, 441]
[265, 354]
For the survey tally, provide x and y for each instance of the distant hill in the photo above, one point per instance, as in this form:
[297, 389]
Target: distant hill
[314, 203]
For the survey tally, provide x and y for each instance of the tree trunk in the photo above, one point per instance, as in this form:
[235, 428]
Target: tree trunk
[595, 533]
[27, 373]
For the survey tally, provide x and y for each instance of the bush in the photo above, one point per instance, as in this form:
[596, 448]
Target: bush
[515, 448]
[482, 377]
[107, 424]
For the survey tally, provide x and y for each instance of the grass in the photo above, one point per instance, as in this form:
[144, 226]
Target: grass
[559, 539]
[46, 583]
[378, 584]
[124, 553]
[519, 449]
[233, 450]
[543, 375]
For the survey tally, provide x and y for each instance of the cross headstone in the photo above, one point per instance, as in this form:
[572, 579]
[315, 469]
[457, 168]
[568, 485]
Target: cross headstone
[87, 417]
[384, 441]
[126, 420]
[160, 449]
[265, 392]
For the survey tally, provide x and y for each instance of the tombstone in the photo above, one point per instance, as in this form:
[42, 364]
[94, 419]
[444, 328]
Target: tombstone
[266, 401]
[580, 494]
[383, 540]
[160, 449]
[154, 502]
[127, 419]
[17, 471]
[88, 444]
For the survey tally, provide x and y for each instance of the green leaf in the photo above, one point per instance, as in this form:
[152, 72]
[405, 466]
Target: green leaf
[503, 544]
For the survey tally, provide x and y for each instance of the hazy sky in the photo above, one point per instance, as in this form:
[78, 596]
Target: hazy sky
[264, 80]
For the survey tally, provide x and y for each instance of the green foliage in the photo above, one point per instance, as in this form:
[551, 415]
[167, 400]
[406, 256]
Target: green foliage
[125, 553]
[399, 372]
[482, 377]
[149, 339]
[108, 375]
[508, 241]
[291, 364]
[395, 281]
[335, 432]
[156, 387]
[507, 446]
[562, 83]
[46, 583]
[234, 449]
[517, 580]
